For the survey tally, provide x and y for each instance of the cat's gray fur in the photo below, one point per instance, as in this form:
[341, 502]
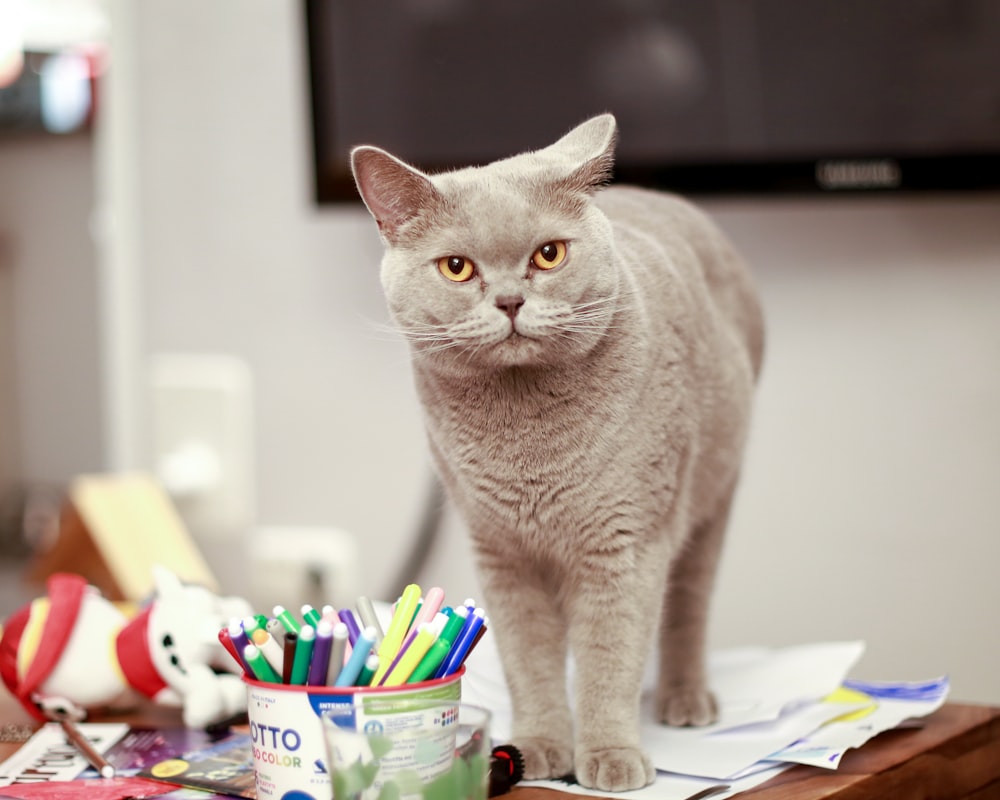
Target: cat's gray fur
[591, 437]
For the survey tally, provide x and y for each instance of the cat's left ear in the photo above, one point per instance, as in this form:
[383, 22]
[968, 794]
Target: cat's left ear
[394, 191]
[590, 148]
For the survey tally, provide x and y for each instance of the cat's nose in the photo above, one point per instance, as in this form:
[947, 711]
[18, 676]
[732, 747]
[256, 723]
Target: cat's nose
[510, 304]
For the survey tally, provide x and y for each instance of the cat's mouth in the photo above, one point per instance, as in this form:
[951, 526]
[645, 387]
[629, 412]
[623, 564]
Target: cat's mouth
[517, 336]
[516, 348]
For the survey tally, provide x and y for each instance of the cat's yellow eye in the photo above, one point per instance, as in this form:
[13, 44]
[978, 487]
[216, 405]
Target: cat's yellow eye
[456, 268]
[549, 255]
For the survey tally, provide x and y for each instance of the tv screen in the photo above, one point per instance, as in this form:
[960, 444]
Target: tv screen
[746, 96]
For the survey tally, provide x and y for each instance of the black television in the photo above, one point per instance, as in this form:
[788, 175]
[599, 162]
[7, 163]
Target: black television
[711, 96]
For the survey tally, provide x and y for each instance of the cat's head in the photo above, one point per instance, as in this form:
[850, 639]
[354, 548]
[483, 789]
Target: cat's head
[508, 264]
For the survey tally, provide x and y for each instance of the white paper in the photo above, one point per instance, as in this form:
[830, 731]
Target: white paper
[47, 756]
[826, 746]
[757, 684]
[768, 698]
[723, 754]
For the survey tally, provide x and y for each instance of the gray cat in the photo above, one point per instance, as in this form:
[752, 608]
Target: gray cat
[585, 358]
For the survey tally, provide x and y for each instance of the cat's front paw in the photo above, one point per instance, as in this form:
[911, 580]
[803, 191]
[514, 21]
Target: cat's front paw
[545, 758]
[689, 706]
[614, 769]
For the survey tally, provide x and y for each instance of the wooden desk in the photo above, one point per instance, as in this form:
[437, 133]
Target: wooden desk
[955, 754]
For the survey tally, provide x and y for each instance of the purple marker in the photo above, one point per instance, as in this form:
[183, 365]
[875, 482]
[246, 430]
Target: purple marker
[240, 640]
[238, 635]
[319, 662]
[353, 629]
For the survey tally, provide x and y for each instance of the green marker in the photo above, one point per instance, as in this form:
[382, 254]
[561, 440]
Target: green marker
[440, 649]
[303, 655]
[456, 619]
[262, 671]
[250, 624]
[285, 617]
[311, 615]
[431, 661]
[367, 671]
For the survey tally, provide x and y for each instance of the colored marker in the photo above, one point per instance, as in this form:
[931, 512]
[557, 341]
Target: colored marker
[479, 635]
[276, 629]
[237, 636]
[413, 616]
[371, 665]
[437, 624]
[291, 641]
[366, 611]
[270, 649]
[250, 624]
[463, 643]
[226, 639]
[398, 674]
[353, 629]
[337, 651]
[456, 621]
[303, 654]
[310, 615]
[429, 607]
[291, 624]
[259, 668]
[359, 656]
[397, 628]
[319, 664]
[451, 632]
[437, 653]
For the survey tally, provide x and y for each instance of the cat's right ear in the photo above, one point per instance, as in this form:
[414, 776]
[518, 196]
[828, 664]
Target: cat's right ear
[590, 148]
[393, 191]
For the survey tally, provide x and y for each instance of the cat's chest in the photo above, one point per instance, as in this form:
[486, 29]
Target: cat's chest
[526, 460]
[528, 439]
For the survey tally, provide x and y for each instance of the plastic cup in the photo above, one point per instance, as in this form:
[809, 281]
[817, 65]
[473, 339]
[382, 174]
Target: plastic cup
[408, 750]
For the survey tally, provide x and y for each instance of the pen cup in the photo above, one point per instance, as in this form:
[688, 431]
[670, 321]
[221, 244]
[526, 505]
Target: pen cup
[408, 749]
[287, 736]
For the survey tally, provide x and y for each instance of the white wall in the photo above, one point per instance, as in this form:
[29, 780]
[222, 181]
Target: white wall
[51, 428]
[867, 509]
[236, 259]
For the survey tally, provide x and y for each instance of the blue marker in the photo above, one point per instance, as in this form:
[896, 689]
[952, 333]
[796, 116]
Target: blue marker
[462, 644]
[362, 648]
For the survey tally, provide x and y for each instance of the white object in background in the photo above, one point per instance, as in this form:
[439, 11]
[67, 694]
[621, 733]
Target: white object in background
[294, 565]
[201, 439]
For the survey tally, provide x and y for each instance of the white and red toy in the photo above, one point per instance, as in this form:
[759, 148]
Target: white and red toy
[73, 651]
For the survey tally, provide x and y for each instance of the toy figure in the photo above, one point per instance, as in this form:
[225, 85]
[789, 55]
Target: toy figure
[73, 652]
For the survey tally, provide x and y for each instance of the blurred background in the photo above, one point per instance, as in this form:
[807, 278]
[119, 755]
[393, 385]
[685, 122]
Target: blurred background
[187, 288]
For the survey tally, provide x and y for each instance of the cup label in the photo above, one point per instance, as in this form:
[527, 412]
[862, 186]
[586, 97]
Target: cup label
[289, 750]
